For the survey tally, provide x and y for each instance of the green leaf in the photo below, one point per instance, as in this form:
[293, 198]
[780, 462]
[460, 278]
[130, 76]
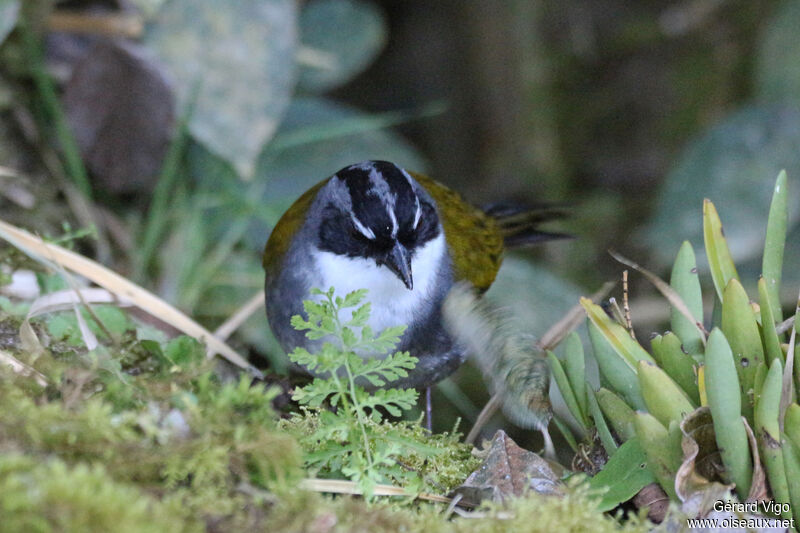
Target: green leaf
[791, 424]
[623, 476]
[353, 299]
[724, 401]
[665, 400]
[719, 256]
[566, 390]
[114, 319]
[184, 350]
[600, 424]
[349, 338]
[774, 242]
[741, 330]
[791, 463]
[340, 38]
[575, 364]
[686, 282]
[243, 82]
[618, 337]
[679, 365]
[772, 344]
[663, 449]
[563, 428]
[615, 369]
[768, 432]
[617, 412]
[359, 319]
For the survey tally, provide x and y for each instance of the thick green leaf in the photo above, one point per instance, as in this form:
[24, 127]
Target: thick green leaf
[791, 464]
[665, 400]
[239, 60]
[686, 282]
[791, 424]
[679, 365]
[663, 449]
[768, 432]
[719, 255]
[617, 412]
[724, 401]
[772, 344]
[340, 38]
[758, 382]
[566, 390]
[615, 370]
[741, 330]
[617, 336]
[575, 366]
[600, 423]
[774, 242]
[624, 475]
[566, 433]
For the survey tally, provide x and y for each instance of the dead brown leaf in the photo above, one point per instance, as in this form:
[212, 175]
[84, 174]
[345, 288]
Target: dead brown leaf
[508, 471]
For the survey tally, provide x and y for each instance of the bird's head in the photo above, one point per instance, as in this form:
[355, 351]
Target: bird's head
[375, 210]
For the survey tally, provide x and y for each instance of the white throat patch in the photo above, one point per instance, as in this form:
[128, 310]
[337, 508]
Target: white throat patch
[392, 303]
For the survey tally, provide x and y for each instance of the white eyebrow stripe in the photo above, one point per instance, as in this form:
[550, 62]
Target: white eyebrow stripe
[418, 212]
[365, 231]
[390, 210]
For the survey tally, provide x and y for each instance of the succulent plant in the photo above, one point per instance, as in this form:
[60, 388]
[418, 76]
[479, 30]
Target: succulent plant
[741, 370]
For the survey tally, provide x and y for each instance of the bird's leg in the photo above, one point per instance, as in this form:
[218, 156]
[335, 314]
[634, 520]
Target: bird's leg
[428, 410]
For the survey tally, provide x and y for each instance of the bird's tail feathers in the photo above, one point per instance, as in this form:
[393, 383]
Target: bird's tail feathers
[517, 370]
[519, 224]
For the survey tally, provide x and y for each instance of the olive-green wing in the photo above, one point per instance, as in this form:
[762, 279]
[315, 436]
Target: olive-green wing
[473, 237]
[287, 227]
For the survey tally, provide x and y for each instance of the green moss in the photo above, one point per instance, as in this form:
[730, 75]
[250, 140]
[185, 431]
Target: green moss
[142, 434]
[160, 422]
[52, 496]
[304, 511]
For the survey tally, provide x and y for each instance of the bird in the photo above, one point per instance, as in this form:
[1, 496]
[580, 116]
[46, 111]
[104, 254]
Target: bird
[404, 237]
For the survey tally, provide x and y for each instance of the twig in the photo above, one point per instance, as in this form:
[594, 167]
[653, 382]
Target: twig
[669, 293]
[486, 413]
[788, 372]
[82, 208]
[570, 320]
[338, 486]
[21, 368]
[616, 312]
[452, 507]
[109, 24]
[626, 308]
[41, 251]
[240, 316]
[784, 326]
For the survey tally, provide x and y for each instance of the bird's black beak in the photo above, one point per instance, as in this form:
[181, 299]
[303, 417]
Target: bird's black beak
[398, 260]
